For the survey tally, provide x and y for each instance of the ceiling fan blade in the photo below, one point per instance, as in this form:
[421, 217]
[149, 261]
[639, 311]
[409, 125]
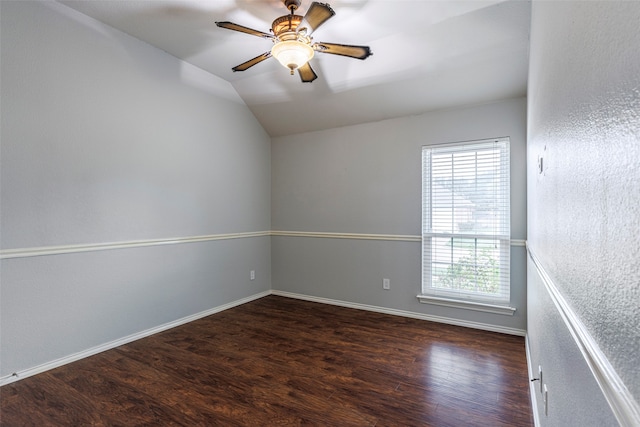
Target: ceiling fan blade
[250, 63]
[235, 27]
[317, 15]
[358, 52]
[307, 75]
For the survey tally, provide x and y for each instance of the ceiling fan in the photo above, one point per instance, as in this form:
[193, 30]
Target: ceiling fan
[293, 45]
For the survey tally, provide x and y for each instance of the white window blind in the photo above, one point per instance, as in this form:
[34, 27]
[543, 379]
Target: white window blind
[466, 221]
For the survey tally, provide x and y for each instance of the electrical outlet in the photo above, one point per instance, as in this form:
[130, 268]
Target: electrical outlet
[386, 284]
[252, 274]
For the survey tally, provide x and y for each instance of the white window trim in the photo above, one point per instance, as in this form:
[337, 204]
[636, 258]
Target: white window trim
[496, 307]
[469, 305]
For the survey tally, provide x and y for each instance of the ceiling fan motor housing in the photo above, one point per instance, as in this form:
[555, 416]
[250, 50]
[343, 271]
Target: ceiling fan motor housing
[284, 27]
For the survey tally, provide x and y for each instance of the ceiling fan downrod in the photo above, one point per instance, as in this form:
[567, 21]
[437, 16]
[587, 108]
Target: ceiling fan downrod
[292, 5]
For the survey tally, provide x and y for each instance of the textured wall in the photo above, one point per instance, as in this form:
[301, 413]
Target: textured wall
[106, 139]
[584, 209]
[367, 179]
[575, 398]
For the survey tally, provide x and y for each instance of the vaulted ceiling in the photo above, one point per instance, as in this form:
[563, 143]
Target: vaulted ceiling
[428, 55]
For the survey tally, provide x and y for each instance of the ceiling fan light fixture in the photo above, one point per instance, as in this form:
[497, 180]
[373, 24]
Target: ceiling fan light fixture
[292, 54]
[293, 45]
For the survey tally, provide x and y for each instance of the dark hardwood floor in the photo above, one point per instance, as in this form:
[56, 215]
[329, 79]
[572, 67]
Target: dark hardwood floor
[284, 362]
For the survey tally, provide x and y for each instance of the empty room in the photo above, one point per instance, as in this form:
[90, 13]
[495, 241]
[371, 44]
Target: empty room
[287, 212]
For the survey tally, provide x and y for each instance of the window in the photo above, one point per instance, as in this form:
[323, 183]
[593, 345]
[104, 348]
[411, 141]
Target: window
[466, 225]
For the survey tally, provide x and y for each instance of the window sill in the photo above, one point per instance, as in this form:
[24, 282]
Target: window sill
[468, 305]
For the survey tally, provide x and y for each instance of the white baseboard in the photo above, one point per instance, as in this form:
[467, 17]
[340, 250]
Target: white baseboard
[403, 313]
[130, 338]
[533, 385]
[121, 341]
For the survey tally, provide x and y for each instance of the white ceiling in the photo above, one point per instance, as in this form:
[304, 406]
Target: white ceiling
[428, 55]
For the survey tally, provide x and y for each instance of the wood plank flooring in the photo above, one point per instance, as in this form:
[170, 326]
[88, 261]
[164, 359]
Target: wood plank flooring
[283, 362]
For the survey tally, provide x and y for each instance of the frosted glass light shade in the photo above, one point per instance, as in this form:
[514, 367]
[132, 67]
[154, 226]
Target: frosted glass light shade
[292, 54]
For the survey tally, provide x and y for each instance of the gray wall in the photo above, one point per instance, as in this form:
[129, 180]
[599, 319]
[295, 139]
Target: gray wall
[367, 179]
[107, 139]
[584, 210]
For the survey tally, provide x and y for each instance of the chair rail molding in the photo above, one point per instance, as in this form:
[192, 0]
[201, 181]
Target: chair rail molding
[624, 407]
[92, 247]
